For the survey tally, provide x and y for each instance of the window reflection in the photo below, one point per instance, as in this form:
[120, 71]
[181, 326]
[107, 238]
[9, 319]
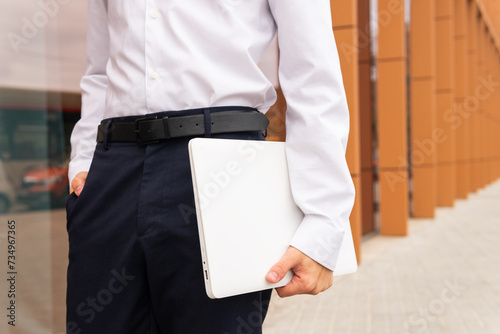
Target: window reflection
[39, 105]
[35, 148]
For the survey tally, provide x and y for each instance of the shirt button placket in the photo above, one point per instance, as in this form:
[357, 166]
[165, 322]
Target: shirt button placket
[153, 14]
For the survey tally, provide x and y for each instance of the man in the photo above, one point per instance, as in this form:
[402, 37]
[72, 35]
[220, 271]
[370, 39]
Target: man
[135, 264]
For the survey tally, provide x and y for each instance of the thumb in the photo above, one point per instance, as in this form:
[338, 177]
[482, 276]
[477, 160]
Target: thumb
[279, 270]
[78, 182]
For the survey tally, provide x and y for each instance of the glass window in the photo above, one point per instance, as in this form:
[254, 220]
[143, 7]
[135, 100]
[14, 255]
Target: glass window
[42, 52]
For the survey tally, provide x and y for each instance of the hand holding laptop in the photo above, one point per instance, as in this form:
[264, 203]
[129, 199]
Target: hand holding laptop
[246, 219]
[310, 277]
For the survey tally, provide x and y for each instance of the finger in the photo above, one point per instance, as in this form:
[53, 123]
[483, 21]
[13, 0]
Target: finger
[308, 283]
[78, 190]
[291, 289]
[78, 183]
[301, 286]
[279, 270]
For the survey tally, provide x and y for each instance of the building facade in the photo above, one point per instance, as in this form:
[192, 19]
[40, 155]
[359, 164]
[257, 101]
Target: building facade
[422, 80]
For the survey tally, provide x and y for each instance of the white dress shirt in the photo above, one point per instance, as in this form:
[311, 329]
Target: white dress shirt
[159, 55]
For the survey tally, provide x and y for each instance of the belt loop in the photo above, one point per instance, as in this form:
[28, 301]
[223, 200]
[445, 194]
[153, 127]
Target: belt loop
[208, 122]
[106, 135]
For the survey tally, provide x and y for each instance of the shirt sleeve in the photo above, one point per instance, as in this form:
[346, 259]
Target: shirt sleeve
[317, 123]
[93, 86]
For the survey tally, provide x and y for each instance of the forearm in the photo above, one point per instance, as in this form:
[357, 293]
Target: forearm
[317, 126]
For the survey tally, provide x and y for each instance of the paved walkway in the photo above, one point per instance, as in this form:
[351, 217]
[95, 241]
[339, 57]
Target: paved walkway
[444, 278]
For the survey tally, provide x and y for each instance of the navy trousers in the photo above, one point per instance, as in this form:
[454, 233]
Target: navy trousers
[134, 257]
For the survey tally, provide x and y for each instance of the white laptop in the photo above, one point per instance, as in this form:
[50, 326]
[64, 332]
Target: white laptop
[246, 214]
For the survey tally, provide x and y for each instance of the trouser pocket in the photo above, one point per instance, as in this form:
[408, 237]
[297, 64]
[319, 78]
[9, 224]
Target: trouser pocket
[70, 203]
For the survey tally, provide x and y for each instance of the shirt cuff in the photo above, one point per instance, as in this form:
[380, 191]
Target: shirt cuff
[320, 239]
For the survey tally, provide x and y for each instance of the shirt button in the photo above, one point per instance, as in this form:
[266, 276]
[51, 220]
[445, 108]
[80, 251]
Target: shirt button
[155, 14]
[154, 75]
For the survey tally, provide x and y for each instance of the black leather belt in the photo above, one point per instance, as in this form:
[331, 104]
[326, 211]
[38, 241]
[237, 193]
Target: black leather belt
[153, 129]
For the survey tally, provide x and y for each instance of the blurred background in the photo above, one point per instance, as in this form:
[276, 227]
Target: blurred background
[422, 79]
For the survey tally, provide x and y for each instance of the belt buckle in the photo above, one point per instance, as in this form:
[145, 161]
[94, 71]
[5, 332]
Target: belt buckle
[137, 130]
